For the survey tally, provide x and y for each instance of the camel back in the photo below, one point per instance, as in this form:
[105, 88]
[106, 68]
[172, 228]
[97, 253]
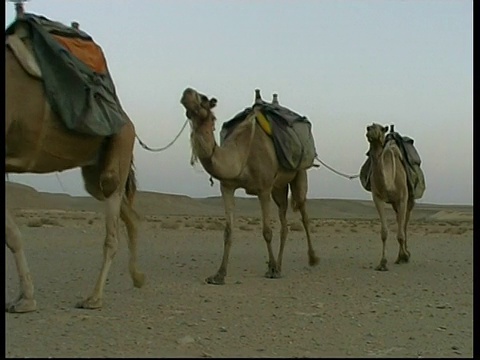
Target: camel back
[411, 161]
[75, 75]
[291, 134]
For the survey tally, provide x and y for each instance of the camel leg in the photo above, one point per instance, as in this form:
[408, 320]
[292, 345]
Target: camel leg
[312, 258]
[264, 197]
[280, 196]
[410, 205]
[118, 157]
[380, 205]
[25, 301]
[129, 217]
[299, 188]
[110, 246]
[229, 204]
[403, 215]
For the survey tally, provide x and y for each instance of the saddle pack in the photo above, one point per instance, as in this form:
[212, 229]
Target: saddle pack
[74, 72]
[291, 133]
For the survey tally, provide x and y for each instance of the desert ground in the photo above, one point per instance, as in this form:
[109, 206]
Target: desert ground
[340, 308]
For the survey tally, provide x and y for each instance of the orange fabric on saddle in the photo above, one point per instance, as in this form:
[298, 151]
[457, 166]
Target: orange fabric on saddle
[85, 50]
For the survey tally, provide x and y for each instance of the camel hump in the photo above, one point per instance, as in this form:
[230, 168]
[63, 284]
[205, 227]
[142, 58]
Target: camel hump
[291, 133]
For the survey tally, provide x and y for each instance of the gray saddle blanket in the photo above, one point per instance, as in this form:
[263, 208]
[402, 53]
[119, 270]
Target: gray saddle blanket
[411, 161]
[291, 134]
[85, 99]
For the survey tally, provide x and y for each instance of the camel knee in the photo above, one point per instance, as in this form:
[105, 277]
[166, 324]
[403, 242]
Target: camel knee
[12, 235]
[227, 233]
[267, 234]
[384, 233]
[297, 203]
[110, 246]
[109, 182]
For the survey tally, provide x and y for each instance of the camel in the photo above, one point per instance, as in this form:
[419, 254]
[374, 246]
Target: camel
[37, 142]
[389, 185]
[246, 160]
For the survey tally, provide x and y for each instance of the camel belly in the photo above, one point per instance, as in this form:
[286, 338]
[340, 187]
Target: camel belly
[387, 197]
[47, 148]
[259, 185]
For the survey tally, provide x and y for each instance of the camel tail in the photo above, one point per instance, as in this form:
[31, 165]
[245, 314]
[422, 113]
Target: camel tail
[130, 191]
[131, 184]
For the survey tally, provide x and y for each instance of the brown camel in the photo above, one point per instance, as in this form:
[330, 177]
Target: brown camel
[246, 160]
[389, 185]
[37, 142]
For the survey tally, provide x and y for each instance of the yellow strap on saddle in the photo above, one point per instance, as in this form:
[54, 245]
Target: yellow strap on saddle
[263, 122]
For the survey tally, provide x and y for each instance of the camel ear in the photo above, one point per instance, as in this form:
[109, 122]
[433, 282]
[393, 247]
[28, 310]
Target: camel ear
[385, 129]
[213, 103]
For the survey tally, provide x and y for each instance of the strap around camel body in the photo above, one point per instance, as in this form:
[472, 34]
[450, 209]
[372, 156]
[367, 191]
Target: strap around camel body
[291, 134]
[74, 71]
[411, 161]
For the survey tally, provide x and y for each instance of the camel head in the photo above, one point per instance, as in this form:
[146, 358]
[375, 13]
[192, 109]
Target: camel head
[198, 107]
[376, 133]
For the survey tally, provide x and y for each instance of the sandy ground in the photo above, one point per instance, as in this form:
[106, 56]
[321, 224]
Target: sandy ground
[341, 308]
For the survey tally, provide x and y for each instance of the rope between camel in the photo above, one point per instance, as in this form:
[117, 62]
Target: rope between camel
[337, 172]
[146, 147]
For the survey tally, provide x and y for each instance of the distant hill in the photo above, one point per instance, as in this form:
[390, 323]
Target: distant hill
[20, 196]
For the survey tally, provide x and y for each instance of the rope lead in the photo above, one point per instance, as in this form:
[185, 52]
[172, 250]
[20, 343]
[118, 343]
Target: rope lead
[146, 147]
[335, 171]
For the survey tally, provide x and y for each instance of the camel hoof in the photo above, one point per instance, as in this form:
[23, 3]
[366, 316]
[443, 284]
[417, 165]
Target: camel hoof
[91, 303]
[215, 280]
[273, 274]
[402, 260]
[138, 279]
[381, 267]
[313, 260]
[21, 306]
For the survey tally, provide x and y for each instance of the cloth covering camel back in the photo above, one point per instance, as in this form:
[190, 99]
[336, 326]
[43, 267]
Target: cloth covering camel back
[74, 71]
[291, 133]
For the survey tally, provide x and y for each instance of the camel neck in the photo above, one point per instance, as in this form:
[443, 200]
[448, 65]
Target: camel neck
[222, 162]
[382, 170]
[203, 140]
[375, 150]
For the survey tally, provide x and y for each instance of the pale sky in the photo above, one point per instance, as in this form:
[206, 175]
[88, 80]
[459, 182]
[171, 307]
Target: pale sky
[343, 64]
